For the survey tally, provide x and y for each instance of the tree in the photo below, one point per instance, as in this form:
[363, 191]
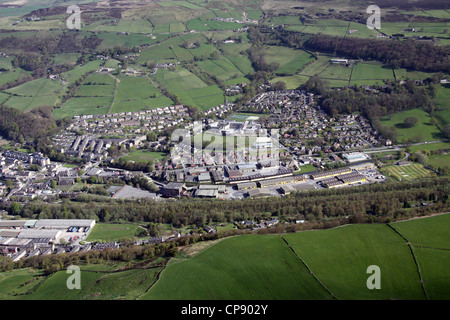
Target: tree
[410, 122]
[446, 131]
[279, 85]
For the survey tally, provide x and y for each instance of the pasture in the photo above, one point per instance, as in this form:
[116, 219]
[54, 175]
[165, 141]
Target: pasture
[249, 274]
[442, 104]
[252, 266]
[36, 93]
[425, 130]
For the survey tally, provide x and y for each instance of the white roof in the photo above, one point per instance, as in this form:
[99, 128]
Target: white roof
[33, 234]
[64, 223]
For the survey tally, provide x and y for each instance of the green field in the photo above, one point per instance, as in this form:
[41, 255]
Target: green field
[425, 130]
[248, 274]
[144, 156]
[121, 285]
[36, 93]
[408, 172]
[308, 265]
[365, 73]
[442, 105]
[112, 232]
[339, 258]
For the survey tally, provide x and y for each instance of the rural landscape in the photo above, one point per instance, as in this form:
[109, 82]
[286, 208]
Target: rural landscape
[201, 150]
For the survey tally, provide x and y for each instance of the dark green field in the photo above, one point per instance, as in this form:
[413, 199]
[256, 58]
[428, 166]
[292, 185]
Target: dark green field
[308, 265]
[338, 258]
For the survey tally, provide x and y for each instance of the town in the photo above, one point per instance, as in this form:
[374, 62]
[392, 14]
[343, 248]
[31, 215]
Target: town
[307, 143]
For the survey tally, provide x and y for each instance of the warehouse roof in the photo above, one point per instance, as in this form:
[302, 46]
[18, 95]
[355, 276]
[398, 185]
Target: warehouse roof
[64, 223]
[39, 233]
[12, 223]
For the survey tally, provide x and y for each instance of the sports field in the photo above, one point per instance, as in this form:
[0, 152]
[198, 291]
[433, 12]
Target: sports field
[144, 156]
[408, 172]
[111, 232]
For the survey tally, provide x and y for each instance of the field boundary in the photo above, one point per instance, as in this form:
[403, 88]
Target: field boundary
[158, 275]
[414, 257]
[307, 267]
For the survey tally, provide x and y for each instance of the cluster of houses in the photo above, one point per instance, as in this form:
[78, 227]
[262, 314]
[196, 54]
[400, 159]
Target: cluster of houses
[300, 120]
[84, 137]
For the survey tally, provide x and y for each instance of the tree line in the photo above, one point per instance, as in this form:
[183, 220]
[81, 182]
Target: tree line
[409, 54]
[388, 200]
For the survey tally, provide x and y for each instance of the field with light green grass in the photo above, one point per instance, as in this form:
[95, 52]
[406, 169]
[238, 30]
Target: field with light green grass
[408, 172]
[425, 130]
[108, 232]
[144, 156]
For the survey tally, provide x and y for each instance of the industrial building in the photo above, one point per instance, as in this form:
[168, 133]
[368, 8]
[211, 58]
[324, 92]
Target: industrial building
[277, 173]
[344, 179]
[355, 157]
[26, 238]
[173, 189]
[329, 173]
[263, 192]
[209, 191]
[246, 185]
[278, 181]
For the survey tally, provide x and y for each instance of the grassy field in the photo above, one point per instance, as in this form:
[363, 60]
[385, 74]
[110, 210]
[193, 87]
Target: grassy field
[36, 93]
[248, 273]
[425, 130]
[430, 146]
[144, 156]
[121, 285]
[308, 265]
[338, 258]
[431, 252]
[442, 105]
[412, 171]
[112, 232]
